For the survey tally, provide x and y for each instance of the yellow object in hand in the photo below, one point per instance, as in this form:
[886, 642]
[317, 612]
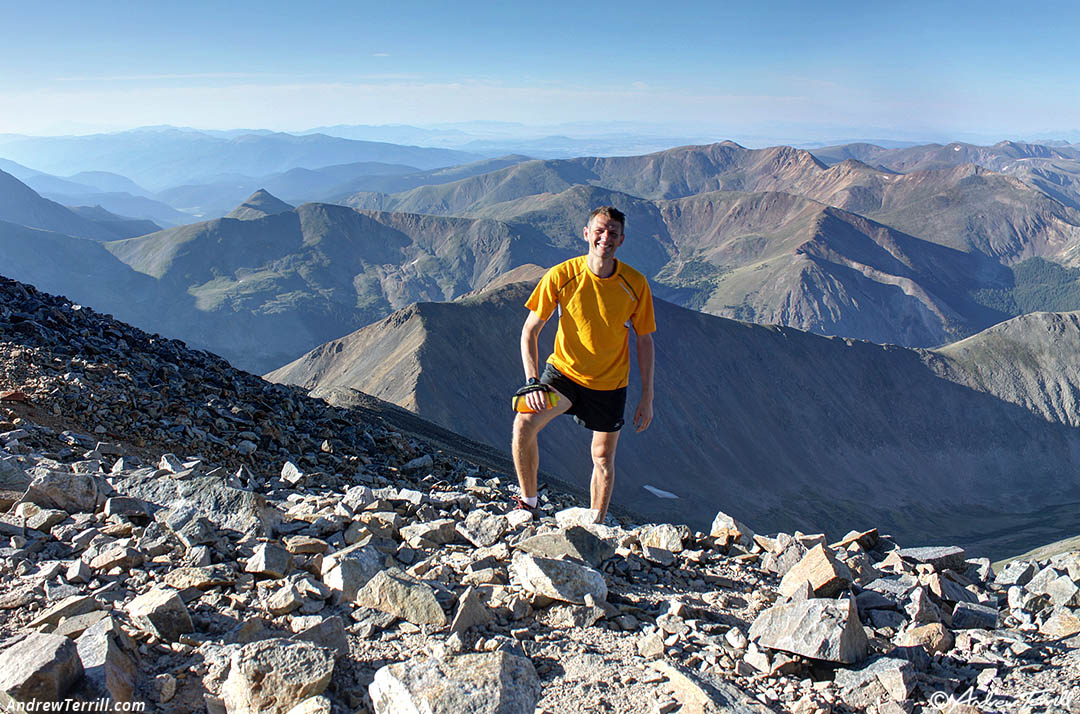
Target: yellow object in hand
[520, 405]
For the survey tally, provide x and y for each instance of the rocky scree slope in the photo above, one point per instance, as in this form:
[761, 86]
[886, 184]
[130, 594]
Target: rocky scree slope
[186, 535]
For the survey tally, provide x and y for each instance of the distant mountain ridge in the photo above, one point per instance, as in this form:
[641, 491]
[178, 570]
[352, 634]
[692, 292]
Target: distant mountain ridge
[165, 156]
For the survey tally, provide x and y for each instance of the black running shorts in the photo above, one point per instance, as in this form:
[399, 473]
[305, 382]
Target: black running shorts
[595, 409]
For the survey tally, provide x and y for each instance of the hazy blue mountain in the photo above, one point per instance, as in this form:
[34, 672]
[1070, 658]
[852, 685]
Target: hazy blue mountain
[781, 428]
[120, 226]
[165, 156]
[299, 185]
[125, 204]
[106, 182]
[21, 205]
[406, 181]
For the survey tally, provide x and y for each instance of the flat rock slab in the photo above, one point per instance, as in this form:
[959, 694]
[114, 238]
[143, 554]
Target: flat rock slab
[967, 615]
[485, 683]
[940, 557]
[395, 593]
[38, 668]
[12, 476]
[68, 607]
[576, 542]
[575, 517]
[203, 577]
[822, 629]
[1062, 623]
[701, 694]
[225, 506]
[430, 534]
[558, 579]
[272, 676]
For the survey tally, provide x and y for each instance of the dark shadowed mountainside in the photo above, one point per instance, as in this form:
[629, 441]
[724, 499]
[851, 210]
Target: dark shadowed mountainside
[783, 428]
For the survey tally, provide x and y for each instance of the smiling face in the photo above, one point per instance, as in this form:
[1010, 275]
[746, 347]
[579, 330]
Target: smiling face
[604, 235]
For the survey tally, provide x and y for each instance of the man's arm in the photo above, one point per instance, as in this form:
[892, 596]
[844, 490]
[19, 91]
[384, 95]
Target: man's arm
[530, 358]
[643, 416]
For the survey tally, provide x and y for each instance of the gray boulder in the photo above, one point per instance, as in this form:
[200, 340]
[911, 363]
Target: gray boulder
[109, 668]
[395, 593]
[39, 668]
[225, 506]
[575, 542]
[70, 492]
[558, 579]
[486, 683]
[822, 629]
[272, 676]
[161, 612]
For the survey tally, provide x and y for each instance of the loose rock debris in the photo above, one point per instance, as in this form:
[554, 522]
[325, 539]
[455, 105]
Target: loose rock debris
[183, 534]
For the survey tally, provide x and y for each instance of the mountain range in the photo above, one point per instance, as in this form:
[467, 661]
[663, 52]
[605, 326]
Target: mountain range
[415, 290]
[772, 236]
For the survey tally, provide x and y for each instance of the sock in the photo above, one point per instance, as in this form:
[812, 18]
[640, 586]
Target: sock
[530, 502]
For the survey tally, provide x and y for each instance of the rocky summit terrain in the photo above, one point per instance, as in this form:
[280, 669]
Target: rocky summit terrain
[187, 537]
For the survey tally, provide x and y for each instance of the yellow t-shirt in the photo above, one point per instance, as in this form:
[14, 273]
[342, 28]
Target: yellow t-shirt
[592, 346]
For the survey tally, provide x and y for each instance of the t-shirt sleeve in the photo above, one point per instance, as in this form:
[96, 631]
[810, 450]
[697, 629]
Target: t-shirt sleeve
[643, 319]
[544, 298]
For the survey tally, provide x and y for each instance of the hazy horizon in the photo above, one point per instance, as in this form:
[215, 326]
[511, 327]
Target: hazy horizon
[782, 72]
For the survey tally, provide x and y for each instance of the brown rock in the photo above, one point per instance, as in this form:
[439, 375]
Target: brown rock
[934, 638]
[827, 575]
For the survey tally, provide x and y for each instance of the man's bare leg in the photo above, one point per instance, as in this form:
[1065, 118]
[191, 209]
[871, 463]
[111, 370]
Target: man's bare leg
[603, 474]
[524, 447]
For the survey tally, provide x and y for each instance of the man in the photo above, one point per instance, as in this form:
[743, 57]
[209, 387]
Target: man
[598, 299]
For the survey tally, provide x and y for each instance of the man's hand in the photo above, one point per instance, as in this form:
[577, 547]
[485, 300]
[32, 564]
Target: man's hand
[538, 400]
[535, 395]
[643, 415]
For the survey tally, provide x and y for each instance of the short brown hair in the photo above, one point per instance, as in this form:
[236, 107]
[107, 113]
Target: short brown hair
[609, 212]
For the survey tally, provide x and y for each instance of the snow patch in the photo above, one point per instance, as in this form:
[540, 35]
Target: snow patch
[659, 493]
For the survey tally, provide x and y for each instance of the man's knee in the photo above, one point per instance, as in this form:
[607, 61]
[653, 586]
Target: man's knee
[603, 456]
[526, 425]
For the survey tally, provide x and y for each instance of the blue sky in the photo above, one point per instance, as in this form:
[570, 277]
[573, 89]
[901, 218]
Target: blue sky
[906, 71]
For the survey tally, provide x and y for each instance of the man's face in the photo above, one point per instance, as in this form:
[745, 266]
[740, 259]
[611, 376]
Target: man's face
[604, 235]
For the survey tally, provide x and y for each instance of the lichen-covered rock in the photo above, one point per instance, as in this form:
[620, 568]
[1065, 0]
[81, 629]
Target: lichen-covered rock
[484, 683]
[272, 676]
